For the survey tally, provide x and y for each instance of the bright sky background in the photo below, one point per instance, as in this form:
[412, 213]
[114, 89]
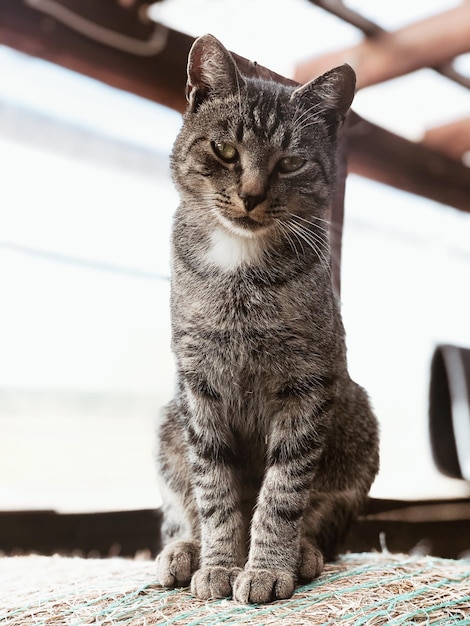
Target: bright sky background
[85, 213]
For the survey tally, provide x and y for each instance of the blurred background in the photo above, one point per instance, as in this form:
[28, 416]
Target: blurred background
[86, 205]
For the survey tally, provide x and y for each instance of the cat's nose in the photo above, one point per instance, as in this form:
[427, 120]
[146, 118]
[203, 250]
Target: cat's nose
[251, 201]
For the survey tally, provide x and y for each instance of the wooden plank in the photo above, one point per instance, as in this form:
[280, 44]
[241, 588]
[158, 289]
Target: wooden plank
[428, 43]
[160, 77]
[345, 13]
[452, 139]
[387, 158]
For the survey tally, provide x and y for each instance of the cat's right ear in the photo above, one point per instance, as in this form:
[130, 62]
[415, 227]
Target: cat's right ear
[211, 70]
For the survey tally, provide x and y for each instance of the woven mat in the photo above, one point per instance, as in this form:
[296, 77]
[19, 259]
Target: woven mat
[356, 590]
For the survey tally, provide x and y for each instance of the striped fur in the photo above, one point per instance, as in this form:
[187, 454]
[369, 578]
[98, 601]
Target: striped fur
[268, 448]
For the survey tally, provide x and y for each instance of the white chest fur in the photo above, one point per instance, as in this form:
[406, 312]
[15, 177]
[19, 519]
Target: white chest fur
[230, 250]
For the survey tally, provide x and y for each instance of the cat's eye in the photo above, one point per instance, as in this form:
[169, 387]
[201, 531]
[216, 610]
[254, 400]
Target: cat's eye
[290, 164]
[225, 151]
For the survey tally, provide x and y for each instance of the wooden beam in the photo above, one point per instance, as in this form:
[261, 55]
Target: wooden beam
[428, 43]
[371, 29]
[160, 77]
[387, 158]
[345, 13]
[452, 139]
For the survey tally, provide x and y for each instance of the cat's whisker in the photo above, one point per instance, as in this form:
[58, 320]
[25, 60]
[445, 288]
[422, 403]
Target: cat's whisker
[331, 227]
[311, 241]
[319, 225]
[284, 228]
[321, 234]
[315, 219]
[316, 244]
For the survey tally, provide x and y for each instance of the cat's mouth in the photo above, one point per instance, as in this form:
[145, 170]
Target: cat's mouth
[246, 222]
[243, 225]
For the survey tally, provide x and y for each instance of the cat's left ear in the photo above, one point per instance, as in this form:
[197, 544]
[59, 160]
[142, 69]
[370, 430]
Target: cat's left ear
[333, 92]
[211, 70]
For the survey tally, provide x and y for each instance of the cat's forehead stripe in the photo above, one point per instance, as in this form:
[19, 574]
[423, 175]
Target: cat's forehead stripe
[264, 116]
[286, 140]
[239, 131]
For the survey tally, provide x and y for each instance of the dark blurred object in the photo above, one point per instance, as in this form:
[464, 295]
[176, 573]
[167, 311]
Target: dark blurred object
[437, 527]
[449, 410]
[115, 533]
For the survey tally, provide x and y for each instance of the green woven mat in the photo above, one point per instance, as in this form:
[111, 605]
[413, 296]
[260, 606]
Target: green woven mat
[356, 590]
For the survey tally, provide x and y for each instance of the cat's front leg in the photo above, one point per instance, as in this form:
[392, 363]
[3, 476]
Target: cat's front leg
[221, 525]
[215, 484]
[275, 552]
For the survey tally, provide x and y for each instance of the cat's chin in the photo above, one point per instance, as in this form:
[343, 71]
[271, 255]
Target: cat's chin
[244, 227]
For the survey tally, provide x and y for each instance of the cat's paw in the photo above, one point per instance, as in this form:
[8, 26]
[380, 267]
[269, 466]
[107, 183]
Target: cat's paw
[310, 562]
[177, 562]
[255, 586]
[214, 582]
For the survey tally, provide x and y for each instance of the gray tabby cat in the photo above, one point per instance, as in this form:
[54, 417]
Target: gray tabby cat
[268, 449]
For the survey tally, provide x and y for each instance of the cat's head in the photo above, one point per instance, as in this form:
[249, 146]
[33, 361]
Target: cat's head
[253, 155]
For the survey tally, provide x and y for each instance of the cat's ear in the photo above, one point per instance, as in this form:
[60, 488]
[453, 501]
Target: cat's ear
[211, 70]
[333, 92]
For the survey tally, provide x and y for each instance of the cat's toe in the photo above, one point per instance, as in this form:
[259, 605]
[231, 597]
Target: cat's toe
[214, 582]
[310, 562]
[177, 562]
[255, 586]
